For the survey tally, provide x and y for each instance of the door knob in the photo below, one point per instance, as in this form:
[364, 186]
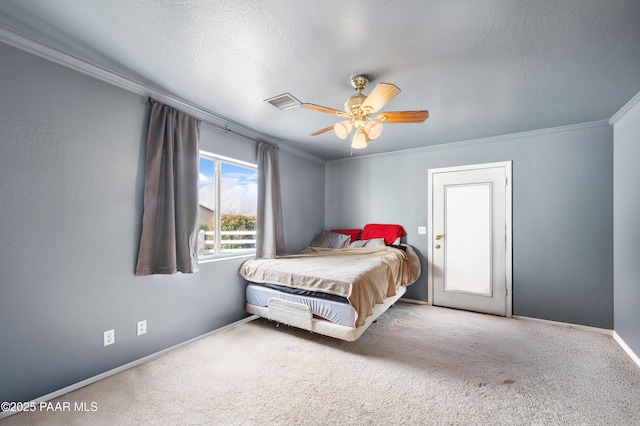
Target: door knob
[439, 236]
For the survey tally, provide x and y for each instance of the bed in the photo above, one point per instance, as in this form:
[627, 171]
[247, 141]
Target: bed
[338, 285]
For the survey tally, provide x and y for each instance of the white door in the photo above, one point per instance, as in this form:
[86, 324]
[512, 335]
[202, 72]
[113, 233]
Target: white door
[470, 238]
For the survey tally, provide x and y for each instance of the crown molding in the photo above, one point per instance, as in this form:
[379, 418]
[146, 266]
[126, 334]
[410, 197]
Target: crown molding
[618, 115]
[42, 50]
[490, 139]
[52, 54]
[302, 154]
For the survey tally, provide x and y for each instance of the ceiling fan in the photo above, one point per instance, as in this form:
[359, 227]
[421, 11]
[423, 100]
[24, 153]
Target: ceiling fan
[358, 110]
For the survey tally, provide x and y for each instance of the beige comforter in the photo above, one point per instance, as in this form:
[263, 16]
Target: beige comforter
[365, 276]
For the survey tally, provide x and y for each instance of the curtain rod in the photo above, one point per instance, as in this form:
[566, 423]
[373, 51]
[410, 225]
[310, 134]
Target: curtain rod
[281, 146]
[215, 126]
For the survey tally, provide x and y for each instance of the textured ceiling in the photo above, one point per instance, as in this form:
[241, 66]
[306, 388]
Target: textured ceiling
[481, 67]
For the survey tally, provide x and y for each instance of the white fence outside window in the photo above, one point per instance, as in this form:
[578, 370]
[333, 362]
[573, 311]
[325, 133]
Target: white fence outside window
[207, 242]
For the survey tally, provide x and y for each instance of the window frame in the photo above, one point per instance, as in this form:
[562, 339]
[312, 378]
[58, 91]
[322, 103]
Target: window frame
[217, 174]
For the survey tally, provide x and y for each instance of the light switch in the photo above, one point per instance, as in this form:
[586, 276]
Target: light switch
[422, 230]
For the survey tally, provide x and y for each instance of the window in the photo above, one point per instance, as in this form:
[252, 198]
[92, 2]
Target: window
[227, 213]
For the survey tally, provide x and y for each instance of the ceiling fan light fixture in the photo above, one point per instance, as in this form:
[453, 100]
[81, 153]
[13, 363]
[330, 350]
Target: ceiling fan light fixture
[373, 129]
[359, 107]
[358, 141]
[342, 129]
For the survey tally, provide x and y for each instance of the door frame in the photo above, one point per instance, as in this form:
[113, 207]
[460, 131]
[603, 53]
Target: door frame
[508, 223]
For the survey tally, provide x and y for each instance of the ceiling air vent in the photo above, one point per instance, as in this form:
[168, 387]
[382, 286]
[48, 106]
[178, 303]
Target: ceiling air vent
[284, 102]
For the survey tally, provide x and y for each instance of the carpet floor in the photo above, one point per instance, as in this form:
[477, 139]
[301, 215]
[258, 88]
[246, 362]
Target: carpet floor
[416, 365]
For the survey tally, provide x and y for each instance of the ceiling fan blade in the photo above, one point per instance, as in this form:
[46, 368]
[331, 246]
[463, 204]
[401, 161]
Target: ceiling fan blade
[326, 110]
[402, 116]
[321, 131]
[379, 97]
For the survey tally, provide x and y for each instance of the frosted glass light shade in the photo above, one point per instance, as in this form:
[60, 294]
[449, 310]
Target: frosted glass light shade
[373, 129]
[342, 129]
[358, 141]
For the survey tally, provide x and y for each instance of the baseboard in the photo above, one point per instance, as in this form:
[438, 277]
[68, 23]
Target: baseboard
[626, 348]
[132, 364]
[414, 301]
[605, 331]
[579, 327]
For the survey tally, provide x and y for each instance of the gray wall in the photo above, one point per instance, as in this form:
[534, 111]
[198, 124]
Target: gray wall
[71, 184]
[626, 229]
[302, 183]
[562, 212]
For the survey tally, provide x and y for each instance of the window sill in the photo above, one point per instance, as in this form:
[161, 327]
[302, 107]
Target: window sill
[225, 257]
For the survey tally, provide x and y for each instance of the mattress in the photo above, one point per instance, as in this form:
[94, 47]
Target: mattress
[366, 276]
[336, 312]
[299, 315]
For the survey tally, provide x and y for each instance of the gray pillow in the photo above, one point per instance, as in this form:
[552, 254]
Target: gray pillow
[327, 239]
[375, 242]
[357, 243]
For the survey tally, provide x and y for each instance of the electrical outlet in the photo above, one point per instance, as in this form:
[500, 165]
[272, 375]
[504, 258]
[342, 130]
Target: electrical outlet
[142, 327]
[109, 337]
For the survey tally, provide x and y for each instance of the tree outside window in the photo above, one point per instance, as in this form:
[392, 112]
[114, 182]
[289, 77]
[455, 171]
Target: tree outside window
[227, 219]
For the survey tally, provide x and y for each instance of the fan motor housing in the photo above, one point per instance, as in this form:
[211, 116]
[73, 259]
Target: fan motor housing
[352, 106]
[353, 103]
